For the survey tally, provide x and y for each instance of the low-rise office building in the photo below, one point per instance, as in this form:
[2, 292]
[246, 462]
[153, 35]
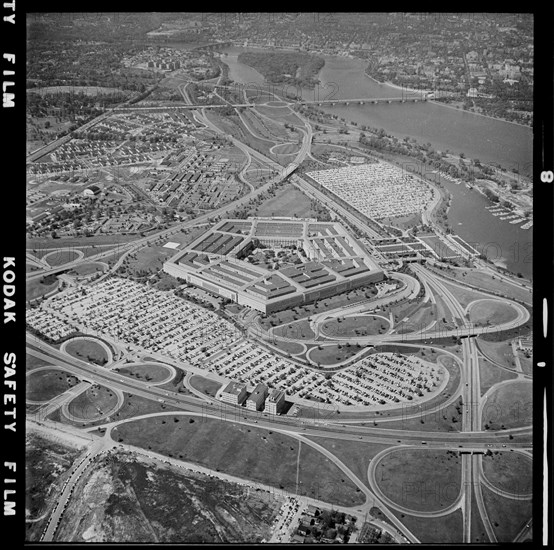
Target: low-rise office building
[275, 402]
[234, 393]
[256, 399]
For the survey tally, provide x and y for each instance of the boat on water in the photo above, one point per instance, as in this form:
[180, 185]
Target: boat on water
[527, 225]
[517, 220]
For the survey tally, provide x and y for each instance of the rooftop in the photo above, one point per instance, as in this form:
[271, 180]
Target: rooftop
[234, 388]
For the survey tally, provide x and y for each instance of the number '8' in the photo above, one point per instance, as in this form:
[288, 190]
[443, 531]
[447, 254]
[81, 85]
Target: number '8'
[547, 176]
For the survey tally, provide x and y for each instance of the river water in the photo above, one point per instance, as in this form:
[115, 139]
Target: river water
[478, 137]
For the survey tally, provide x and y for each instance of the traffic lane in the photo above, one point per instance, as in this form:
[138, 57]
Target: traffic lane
[229, 413]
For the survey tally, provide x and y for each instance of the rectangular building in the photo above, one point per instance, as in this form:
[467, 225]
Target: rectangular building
[275, 402]
[256, 400]
[234, 393]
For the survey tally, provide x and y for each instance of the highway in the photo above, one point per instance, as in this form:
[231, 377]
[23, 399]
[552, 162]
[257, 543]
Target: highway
[294, 427]
[472, 440]
[106, 377]
[471, 420]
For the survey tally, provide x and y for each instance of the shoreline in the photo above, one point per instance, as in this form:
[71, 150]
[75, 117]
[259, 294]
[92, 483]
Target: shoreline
[480, 114]
[435, 102]
[397, 87]
[403, 88]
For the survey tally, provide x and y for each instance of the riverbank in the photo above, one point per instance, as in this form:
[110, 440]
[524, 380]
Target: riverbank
[478, 114]
[435, 102]
[397, 87]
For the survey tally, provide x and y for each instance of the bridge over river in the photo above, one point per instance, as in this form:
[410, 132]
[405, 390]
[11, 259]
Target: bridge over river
[331, 102]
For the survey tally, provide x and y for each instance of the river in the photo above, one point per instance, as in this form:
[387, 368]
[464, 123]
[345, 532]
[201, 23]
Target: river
[478, 137]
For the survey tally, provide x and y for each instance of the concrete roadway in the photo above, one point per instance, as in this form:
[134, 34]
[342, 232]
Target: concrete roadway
[135, 245]
[473, 406]
[440, 441]
[95, 449]
[445, 440]
[471, 389]
[456, 503]
[471, 425]
[364, 508]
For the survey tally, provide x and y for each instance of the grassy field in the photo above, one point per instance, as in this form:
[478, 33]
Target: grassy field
[491, 311]
[289, 347]
[40, 286]
[234, 126]
[46, 384]
[134, 405]
[511, 333]
[267, 128]
[332, 354]
[331, 486]
[509, 406]
[280, 114]
[46, 466]
[255, 128]
[507, 516]
[149, 258]
[355, 454]
[512, 472]
[300, 330]
[499, 352]
[286, 149]
[360, 325]
[404, 222]
[485, 281]
[252, 453]
[411, 316]
[464, 295]
[420, 479]
[478, 531]
[61, 257]
[88, 268]
[490, 374]
[32, 362]
[87, 350]
[167, 282]
[93, 403]
[445, 419]
[288, 201]
[419, 320]
[205, 385]
[440, 531]
[149, 373]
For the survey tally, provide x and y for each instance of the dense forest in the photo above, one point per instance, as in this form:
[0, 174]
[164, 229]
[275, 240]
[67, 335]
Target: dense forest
[300, 69]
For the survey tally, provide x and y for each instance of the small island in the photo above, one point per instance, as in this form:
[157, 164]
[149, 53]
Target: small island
[299, 69]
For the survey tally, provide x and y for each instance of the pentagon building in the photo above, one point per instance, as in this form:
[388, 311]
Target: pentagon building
[328, 261]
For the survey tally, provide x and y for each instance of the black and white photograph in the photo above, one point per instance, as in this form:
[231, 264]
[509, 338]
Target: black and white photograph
[277, 282]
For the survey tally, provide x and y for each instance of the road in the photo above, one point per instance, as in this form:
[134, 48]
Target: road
[75, 473]
[106, 377]
[196, 406]
[471, 438]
